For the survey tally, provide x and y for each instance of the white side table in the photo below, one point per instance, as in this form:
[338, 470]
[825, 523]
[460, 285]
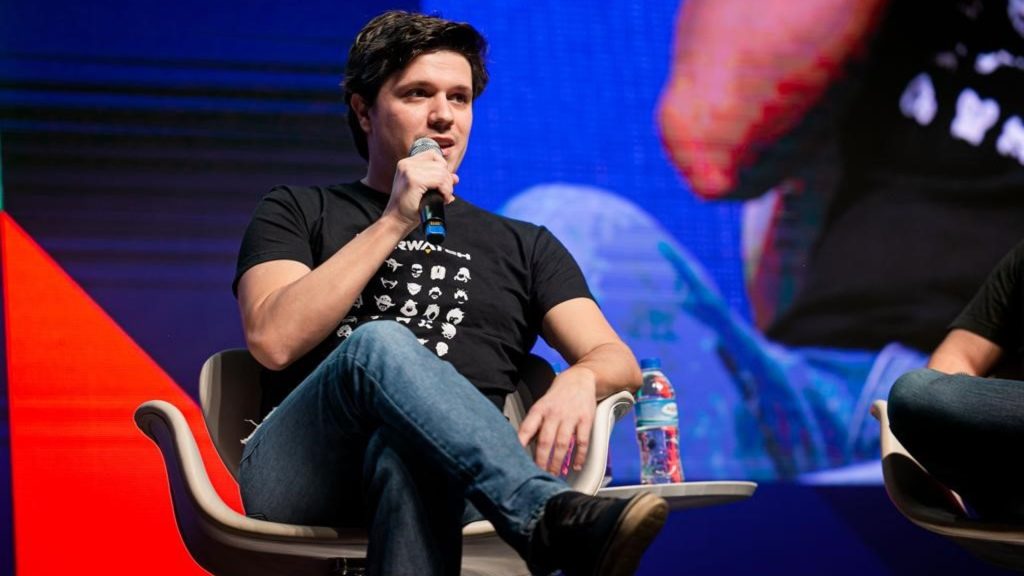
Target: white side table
[688, 494]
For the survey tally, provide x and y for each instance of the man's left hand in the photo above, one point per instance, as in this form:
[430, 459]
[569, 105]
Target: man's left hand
[564, 413]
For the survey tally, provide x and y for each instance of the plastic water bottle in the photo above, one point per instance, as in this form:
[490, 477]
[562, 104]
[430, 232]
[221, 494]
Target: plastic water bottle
[657, 427]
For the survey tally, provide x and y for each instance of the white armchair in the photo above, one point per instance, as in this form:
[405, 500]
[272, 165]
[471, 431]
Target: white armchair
[932, 506]
[228, 543]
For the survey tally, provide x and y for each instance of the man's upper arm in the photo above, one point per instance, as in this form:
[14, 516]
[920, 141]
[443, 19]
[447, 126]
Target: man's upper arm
[576, 327]
[989, 323]
[571, 321]
[260, 281]
[279, 230]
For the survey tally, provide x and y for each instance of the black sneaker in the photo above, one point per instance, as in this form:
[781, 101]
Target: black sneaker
[595, 536]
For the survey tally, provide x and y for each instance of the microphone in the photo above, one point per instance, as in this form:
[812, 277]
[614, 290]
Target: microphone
[432, 203]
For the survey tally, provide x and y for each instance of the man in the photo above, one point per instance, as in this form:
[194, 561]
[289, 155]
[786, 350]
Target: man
[920, 135]
[967, 429]
[389, 355]
[878, 143]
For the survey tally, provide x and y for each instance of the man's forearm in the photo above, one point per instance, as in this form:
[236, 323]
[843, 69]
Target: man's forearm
[964, 352]
[614, 368]
[291, 319]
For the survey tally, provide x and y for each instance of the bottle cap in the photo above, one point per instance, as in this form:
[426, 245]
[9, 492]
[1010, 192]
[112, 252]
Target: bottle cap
[650, 364]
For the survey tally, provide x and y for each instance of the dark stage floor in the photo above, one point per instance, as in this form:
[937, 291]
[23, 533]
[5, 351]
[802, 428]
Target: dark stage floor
[794, 530]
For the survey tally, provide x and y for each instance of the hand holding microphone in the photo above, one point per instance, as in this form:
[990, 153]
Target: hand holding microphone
[432, 202]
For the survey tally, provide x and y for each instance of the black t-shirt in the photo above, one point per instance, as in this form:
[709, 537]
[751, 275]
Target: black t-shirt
[996, 312]
[931, 190]
[477, 301]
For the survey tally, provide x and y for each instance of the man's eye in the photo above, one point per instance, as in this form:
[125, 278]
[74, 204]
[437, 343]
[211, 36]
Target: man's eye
[460, 98]
[416, 93]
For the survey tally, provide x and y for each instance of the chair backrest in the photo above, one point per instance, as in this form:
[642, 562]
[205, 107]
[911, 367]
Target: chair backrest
[230, 396]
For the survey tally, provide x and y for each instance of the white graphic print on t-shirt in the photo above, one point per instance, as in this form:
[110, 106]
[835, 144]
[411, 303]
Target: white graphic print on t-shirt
[392, 264]
[1011, 141]
[975, 114]
[1015, 12]
[421, 286]
[409, 308]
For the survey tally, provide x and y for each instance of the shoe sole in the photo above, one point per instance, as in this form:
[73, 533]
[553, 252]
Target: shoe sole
[637, 527]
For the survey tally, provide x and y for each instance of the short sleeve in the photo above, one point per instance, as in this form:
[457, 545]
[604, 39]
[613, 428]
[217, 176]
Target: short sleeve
[281, 228]
[994, 311]
[556, 275]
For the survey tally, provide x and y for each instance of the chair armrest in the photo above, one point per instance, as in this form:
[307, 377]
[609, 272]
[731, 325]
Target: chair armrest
[611, 409]
[193, 495]
[890, 445]
[911, 488]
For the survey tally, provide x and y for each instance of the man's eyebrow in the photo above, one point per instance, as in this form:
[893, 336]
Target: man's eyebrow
[422, 83]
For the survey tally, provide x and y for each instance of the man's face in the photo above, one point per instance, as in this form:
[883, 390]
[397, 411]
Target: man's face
[433, 98]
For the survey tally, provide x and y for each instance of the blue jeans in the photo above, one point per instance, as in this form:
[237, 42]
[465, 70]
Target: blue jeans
[384, 434]
[968, 432]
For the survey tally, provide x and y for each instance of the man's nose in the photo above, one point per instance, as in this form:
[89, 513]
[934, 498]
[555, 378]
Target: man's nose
[441, 114]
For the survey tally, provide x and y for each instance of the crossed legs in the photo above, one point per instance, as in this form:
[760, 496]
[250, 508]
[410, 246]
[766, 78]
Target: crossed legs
[967, 431]
[386, 435]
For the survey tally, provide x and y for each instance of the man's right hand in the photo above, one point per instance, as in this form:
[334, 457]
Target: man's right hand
[413, 177]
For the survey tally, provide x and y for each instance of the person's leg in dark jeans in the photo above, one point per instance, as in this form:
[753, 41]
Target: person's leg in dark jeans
[406, 495]
[383, 422]
[967, 432]
[383, 409]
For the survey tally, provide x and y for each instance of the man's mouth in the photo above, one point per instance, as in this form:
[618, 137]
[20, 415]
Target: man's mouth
[444, 142]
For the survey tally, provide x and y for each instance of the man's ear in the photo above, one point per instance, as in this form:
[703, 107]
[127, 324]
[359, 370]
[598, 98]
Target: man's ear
[362, 110]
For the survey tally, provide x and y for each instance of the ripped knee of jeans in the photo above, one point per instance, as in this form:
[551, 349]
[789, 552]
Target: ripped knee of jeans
[256, 426]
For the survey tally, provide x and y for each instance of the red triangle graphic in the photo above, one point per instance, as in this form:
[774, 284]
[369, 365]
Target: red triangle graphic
[90, 491]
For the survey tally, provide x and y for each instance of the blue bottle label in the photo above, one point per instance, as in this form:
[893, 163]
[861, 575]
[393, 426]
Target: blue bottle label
[656, 412]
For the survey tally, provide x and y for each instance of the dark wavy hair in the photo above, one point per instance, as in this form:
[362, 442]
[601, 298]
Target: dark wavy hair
[389, 42]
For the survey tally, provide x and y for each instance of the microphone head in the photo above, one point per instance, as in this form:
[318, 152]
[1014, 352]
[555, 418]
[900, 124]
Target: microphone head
[422, 145]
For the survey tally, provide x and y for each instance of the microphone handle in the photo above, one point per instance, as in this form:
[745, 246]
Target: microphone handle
[432, 216]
